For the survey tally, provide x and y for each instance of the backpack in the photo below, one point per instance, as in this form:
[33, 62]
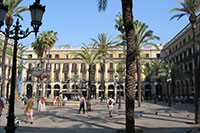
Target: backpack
[110, 102]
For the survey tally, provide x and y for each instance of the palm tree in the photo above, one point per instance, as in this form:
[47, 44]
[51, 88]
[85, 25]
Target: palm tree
[167, 71]
[148, 72]
[14, 10]
[89, 56]
[75, 79]
[157, 65]
[174, 72]
[44, 42]
[103, 44]
[127, 6]
[191, 8]
[20, 67]
[142, 38]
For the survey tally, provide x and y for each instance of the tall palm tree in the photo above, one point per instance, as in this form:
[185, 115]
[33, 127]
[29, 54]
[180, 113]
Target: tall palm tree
[148, 72]
[103, 44]
[14, 10]
[142, 38]
[44, 42]
[127, 6]
[157, 65]
[75, 79]
[89, 56]
[174, 72]
[20, 67]
[167, 71]
[192, 8]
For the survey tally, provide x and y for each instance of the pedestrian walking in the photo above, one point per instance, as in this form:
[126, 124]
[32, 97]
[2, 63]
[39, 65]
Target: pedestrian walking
[2, 106]
[59, 100]
[28, 109]
[155, 99]
[110, 103]
[82, 104]
[65, 101]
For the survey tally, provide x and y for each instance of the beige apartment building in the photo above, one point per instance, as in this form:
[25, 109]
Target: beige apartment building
[179, 50]
[8, 65]
[60, 65]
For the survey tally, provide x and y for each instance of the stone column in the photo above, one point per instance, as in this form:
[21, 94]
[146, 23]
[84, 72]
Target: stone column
[106, 71]
[61, 71]
[79, 70]
[52, 71]
[70, 70]
[97, 71]
[97, 79]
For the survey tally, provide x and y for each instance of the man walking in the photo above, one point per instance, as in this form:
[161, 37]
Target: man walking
[82, 104]
[28, 109]
[110, 103]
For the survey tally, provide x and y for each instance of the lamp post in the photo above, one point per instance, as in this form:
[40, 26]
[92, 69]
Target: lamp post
[155, 96]
[37, 11]
[169, 99]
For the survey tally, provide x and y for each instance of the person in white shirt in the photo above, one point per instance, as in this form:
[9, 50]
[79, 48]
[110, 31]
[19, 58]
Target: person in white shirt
[82, 104]
[65, 101]
[110, 103]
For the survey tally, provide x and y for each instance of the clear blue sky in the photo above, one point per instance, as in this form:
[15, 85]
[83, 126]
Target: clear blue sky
[77, 21]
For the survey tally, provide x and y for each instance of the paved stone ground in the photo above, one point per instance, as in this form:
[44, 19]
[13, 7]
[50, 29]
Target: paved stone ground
[67, 120]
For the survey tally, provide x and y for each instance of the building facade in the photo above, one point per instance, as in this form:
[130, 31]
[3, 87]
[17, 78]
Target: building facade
[8, 65]
[179, 50]
[61, 65]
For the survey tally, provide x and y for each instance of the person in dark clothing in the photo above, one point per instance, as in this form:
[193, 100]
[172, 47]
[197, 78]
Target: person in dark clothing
[82, 104]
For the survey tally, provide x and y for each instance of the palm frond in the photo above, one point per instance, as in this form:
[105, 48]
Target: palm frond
[102, 5]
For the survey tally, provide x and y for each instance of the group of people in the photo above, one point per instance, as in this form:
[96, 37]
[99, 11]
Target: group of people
[59, 100]
[28, 107]
[84, 101]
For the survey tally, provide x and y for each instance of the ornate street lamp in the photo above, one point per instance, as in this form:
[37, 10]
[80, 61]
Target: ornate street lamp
[155, 97]
[16, 34]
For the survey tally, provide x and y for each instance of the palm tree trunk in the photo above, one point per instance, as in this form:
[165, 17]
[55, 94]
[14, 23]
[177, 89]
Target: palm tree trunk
[196, 74]
[139, 80]
[89, 88]
[130, 65]
[42, 74]
[3, 67]
[102, 80]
